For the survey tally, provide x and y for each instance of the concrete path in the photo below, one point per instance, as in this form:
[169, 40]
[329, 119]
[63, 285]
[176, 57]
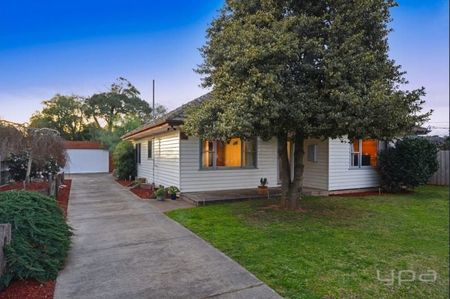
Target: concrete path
[125, 248]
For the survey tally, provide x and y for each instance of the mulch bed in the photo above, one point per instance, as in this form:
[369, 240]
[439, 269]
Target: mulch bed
[143, 193]
[33, 186]
[31, 289]
[125, 183]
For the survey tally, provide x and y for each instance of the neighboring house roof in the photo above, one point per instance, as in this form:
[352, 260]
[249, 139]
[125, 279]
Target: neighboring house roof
[174, 117]
[83, 145]
[416, 130]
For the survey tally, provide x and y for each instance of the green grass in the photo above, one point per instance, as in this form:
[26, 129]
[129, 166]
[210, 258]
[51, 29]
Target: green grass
[334, 249]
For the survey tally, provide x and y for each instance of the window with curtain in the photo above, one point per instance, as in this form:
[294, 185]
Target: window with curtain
[234, 153]
[138, 153]
[363, 152]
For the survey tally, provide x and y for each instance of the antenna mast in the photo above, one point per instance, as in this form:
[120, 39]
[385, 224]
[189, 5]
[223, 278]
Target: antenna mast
[153, 104]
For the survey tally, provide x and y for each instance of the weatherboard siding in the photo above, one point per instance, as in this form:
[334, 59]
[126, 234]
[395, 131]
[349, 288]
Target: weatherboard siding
[166, 159]
[195, 179]
[341, 176]
[316, 173]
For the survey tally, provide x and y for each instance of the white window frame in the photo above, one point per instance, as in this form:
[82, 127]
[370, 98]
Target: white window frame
[360, 154]
[214, 157]
[139, 153]
[314, 153]
[150, 142]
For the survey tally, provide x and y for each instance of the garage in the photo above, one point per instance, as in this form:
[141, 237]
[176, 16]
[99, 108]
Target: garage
[86, 157]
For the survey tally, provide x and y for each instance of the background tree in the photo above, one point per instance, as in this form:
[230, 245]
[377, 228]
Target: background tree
[11, 138]
[111, 106]
[302, 69]
[112, 138]
[64, 114]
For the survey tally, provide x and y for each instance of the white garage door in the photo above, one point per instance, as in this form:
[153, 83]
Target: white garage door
[87, 161]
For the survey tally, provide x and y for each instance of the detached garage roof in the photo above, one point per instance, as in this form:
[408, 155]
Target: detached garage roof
[83, 145]
[172, 118]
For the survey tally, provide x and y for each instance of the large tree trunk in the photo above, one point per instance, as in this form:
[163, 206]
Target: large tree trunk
[291, 187]
[285, 168]
[296, 189]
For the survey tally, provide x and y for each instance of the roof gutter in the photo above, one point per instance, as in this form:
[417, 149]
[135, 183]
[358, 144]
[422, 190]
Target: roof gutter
[158, 129]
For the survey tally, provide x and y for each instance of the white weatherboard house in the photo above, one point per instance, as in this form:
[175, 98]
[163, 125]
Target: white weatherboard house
[166, 156]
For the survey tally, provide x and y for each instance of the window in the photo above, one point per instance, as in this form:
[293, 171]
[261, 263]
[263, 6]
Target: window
[363, 153]
[138, 153]
[312, 153]
[150, 149]
[234, 153]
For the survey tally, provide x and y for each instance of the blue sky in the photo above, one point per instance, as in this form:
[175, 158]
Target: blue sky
[80, 47]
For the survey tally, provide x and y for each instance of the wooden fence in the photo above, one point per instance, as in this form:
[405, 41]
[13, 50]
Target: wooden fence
[441, 177]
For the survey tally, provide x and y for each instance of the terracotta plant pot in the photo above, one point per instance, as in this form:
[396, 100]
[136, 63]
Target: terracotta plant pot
[263, 189]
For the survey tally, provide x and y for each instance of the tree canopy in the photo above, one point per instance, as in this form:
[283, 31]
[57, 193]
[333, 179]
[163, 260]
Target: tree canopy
[300, 69]
[66, 114]
[111, 106]
[104, 116]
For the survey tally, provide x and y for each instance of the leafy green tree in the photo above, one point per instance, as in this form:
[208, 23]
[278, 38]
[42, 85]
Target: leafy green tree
[64, 114]
[112, 138]
[299, 69]
[111, 106]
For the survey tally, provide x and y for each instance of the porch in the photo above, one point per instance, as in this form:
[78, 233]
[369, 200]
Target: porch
[206, 197]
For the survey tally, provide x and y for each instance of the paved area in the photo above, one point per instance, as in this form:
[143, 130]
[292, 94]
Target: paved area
[126, 248]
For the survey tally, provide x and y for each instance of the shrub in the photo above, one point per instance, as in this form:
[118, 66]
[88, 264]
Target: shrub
[40, 236]
[124, 161]
[17, 165]
[409, 164]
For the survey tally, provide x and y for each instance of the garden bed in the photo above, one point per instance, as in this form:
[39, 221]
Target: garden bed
[125, 183]
[33, 186]
[143, 193]
[31, 289]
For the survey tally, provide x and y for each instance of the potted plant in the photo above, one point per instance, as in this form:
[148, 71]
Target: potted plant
[160, 193]
[172, 191]
[262, 188]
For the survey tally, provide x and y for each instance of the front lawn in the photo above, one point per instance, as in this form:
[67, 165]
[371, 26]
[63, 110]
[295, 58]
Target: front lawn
[334, 249]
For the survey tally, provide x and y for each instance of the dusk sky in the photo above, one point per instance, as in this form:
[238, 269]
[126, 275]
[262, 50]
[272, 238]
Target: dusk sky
[81, 47]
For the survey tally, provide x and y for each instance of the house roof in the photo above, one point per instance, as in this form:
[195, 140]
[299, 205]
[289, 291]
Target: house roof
[174, 117]
[83, 145]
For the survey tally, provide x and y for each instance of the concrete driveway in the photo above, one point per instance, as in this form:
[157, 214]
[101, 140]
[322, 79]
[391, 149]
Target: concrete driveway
[125, 248]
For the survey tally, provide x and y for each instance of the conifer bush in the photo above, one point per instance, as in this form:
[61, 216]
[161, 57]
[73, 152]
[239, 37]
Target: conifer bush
[40, 236]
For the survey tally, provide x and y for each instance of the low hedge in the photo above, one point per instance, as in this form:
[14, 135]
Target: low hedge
[40, 236]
